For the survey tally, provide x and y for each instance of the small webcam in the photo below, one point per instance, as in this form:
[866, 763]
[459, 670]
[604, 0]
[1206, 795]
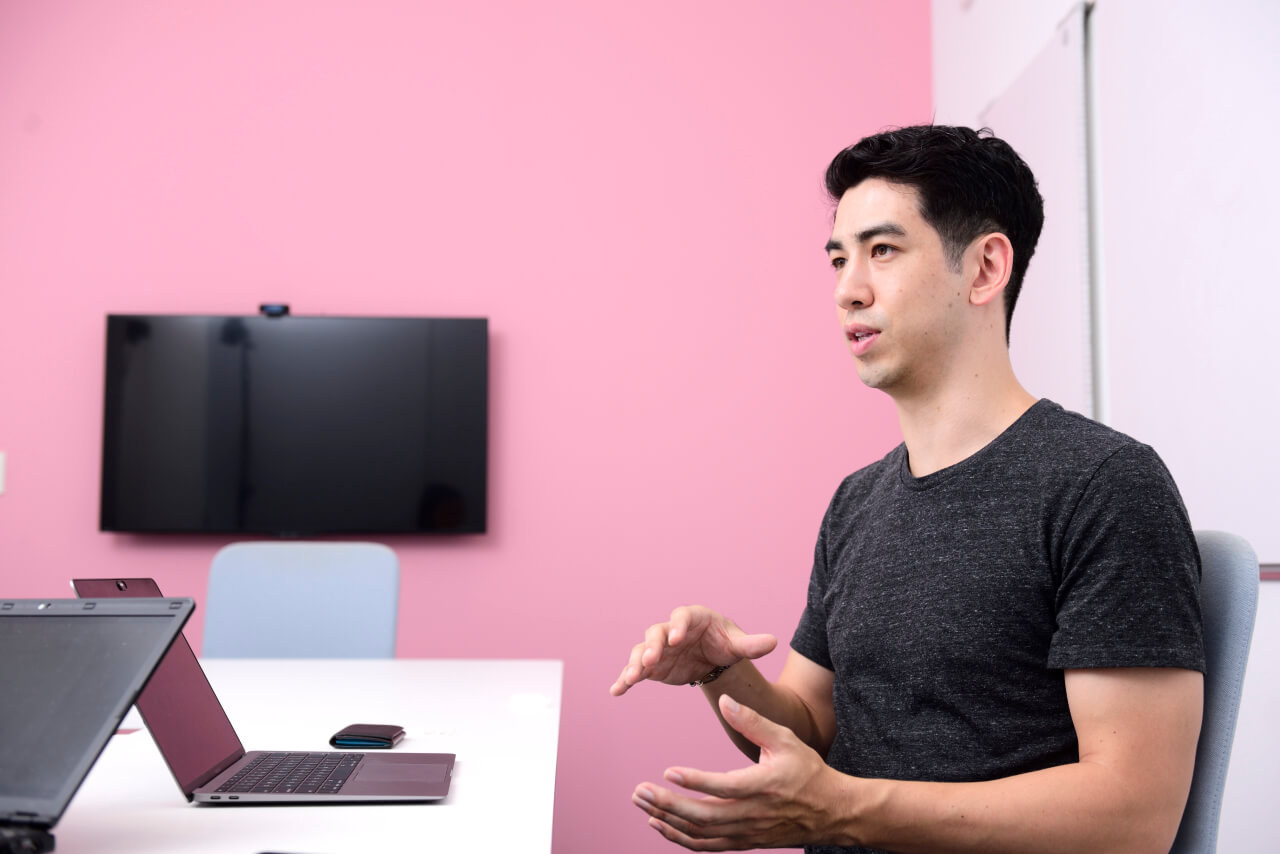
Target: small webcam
[274, 309]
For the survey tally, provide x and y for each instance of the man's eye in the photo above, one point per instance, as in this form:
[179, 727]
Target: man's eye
[837, 263]
[880, 250]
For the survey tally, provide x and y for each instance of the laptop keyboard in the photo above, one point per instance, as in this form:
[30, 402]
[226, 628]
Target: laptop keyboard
[300, 773]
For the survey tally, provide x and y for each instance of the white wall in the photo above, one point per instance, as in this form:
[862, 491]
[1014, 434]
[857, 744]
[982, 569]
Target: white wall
[1052, 343]
[1248, 808]
[1187, 116]
[980, 48]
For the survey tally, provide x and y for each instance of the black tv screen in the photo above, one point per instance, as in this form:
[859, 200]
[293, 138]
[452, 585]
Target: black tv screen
[295, 426]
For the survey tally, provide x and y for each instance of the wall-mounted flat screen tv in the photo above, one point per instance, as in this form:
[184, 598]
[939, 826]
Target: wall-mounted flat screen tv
[295, 426]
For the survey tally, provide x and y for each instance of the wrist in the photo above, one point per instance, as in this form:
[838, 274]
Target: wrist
[847, 802]
[714, 674]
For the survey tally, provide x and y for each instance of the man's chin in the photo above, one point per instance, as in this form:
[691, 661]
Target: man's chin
[872, 378]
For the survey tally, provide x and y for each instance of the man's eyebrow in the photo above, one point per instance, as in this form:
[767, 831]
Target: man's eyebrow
[868, 234]
[890, 228]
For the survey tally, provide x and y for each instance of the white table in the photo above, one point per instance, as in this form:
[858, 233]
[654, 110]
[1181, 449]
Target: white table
[501, 718]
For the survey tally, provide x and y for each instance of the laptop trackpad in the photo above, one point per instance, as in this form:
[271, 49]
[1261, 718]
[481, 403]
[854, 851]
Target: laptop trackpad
[403, 772]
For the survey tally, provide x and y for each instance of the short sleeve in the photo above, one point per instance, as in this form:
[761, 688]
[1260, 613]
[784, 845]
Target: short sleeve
[810, 638]
[1128, 595]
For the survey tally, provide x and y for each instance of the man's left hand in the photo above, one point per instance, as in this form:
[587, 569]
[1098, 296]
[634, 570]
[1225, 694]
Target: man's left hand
[789, 798]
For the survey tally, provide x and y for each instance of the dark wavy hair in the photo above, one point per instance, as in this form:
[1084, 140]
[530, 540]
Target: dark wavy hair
[969, 183]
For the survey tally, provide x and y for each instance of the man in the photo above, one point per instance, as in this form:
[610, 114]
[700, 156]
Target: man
[1001, 649]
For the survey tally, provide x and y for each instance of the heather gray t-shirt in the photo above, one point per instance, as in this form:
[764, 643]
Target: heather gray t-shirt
[949, 605]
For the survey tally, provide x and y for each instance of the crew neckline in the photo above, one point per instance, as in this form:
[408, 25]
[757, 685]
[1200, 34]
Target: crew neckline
[932, 479]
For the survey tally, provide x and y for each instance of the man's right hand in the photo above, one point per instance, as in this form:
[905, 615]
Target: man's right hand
[687, 647]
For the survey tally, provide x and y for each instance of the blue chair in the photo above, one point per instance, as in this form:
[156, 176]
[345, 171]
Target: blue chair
[1229, 603]
[302, 600]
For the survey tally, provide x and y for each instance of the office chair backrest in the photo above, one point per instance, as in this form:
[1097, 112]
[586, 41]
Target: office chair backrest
[302, 600]
[1229, 602]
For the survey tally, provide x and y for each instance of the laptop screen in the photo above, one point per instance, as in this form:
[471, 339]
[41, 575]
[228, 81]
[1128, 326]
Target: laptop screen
[183, 714]
[70, 670]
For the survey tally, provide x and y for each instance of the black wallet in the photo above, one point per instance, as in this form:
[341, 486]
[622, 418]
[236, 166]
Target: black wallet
[368, 736]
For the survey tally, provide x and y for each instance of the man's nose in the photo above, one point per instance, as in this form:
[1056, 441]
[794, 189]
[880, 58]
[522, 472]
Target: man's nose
[853, 288]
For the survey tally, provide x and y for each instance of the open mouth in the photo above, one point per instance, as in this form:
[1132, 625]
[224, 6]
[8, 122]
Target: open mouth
[860, 338]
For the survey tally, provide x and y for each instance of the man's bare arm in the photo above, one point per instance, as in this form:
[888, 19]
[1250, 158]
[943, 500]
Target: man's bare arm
[800, 700]
[1137, 730]
[695, 640]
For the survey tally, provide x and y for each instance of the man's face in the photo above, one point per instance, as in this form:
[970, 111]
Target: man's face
[898, 299]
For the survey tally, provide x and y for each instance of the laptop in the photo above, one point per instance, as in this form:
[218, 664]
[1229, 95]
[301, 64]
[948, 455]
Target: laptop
[69, 671]
[206, 757]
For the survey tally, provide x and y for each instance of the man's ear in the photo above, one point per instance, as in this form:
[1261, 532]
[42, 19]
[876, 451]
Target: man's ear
[994, 255]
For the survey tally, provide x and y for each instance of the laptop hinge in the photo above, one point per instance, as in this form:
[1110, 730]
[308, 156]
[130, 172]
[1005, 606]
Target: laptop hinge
[205, 779]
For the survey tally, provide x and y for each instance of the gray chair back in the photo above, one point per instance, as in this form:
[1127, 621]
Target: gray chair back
[302, 600]
[1229, 603]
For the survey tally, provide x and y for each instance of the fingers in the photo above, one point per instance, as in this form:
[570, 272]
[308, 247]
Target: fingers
[630, 674]
[706, 824]
[758, 806]
[644, 658]
[671, 834]
[754, 726]
[711, 638]
[656, 638]
[648, 655]
[752, 646]
[730, 785]
[690, 815]
[682, 619]
[694, 620]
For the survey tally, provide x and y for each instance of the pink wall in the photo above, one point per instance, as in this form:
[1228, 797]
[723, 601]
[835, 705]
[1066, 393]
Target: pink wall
[633, 199]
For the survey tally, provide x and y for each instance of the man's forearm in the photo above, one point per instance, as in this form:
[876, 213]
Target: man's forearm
[744, 683]
[1082, 807]
[1136, 729]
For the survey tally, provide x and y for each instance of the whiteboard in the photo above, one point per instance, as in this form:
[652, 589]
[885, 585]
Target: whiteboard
[1043, 116]
[1188, 182]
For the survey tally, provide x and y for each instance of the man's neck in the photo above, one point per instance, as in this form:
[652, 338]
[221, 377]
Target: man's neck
[958, 419]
